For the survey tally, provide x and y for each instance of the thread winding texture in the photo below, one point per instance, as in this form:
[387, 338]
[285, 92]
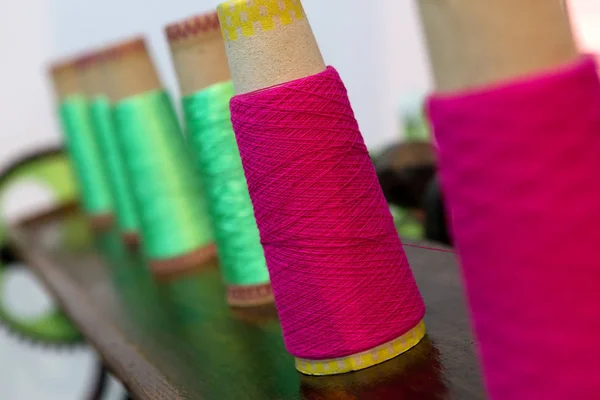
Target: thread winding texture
[85, 155]
[217, 159]
[341, 280]
[102, 119]
[519, 167]
[168, 196]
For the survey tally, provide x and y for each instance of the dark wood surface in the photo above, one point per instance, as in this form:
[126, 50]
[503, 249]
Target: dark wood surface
[179, 339]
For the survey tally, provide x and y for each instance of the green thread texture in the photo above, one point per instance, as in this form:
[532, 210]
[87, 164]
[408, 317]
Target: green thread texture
[217, 159]
[85, 155]
[103, 123]
[167, 193]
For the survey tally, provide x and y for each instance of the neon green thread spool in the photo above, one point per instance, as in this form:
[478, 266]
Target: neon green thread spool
[95, 82]
[201, 65]
[174, 224]
[84, 154]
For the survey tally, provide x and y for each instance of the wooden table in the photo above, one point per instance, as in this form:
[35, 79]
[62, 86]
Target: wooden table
[180, 340]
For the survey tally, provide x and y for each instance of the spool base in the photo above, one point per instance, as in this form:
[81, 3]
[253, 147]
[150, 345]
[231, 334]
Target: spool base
[101, 222]
[249, 296]
[131, 240]
[256, 315]
[183, 265]
[366, 359]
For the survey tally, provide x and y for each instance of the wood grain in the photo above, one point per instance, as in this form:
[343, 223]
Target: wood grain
[180, 340]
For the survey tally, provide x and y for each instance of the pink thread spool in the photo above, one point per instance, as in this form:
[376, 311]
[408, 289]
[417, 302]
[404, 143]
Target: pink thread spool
[514, 111]
[273, 56]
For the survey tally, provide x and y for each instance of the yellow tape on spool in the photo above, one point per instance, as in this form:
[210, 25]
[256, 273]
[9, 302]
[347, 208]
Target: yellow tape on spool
[238, 17]
[366, 359]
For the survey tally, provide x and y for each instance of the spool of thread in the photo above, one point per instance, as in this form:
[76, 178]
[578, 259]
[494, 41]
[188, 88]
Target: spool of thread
[84, 154]
[199, 56]
[95, 81]
[509, 112]
[174, 224]
[344, 291]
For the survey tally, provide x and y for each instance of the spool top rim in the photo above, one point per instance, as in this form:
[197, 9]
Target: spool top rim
[122, 48]
[89, 59]
[194, 26]
[62, 65]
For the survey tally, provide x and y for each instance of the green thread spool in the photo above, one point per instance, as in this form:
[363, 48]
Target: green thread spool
[85, 156]
[174, 224]
[203, 72]
[104, 129]
[217, 159]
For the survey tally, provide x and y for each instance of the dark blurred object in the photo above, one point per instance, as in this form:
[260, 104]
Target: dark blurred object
[407, 174]
[404, 172]
[436, 227]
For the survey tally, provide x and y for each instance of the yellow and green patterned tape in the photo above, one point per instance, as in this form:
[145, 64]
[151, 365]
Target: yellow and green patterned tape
[366, 359]
[242, 17]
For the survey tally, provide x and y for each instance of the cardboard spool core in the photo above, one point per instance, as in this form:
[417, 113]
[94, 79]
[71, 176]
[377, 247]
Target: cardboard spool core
[101, 223]
[131, 72]
[186, 264]
[131, 239]
[272, 43]
[470, 44]
[91, 74]
[65, 79]
[198, 53]
[267, 45]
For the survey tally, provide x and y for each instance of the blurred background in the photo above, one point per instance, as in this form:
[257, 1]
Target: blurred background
[376, 46]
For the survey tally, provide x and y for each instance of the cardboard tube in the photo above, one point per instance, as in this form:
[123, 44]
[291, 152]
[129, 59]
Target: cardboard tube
[270, 42]
[65, 79]
[474, 43]
[130, 70]
[266, 44]
[91, 74]
[198, 52]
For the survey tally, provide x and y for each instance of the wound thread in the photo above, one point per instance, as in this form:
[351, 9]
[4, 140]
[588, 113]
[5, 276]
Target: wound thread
[341, 280]
[85, 156]
[102, 119]
[173, 218]
[217, 160]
